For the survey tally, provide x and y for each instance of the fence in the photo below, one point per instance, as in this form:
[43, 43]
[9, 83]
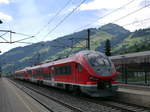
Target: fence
[135, 73]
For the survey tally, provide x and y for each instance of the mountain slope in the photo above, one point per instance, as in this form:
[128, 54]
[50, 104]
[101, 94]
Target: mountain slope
[137, 41]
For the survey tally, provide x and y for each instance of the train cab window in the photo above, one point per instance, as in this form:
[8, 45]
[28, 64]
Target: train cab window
[79, 67]
[106, 62]
[100, 63]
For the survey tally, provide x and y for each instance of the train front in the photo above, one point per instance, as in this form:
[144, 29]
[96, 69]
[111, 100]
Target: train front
[102, 72]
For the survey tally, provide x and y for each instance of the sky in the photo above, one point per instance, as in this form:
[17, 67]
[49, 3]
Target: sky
[32, 17]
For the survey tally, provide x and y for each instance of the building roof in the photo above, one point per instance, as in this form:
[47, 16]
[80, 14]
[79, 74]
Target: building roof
[137, 57]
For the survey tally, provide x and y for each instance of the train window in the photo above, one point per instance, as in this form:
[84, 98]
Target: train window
[62, 70]
[38, 72]
[29, 72]
[106, 62]
[34, 74]
[79, 67]
[56, 71]
[99, 63]
[68, 70]
[46, 75]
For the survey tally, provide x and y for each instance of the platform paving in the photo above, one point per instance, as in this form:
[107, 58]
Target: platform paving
[134, 94]
[13, 99]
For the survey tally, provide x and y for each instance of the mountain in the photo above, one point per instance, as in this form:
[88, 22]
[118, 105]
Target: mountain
[122, 41]
[117, 31]
[137, 41]
[114, 29]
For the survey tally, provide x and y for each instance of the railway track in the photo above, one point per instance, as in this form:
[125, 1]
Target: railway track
[124, 107]
[106, 106]
[31, 92]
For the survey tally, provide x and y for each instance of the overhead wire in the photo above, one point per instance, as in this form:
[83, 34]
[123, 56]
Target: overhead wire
[24, 39]
[87, 24]
[147, 19]
[22, 34]
[54, 17]
[59, 11]
[1, 36]
[25, 42]
[64, 19]
[131, 13]
[100, 17]
[29, 37]
[124, 15]
[9, 31]
[105, 15]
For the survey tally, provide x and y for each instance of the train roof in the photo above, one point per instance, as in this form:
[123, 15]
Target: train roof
[89, 51]
[59, 61]
[138, 57]
[72, 58]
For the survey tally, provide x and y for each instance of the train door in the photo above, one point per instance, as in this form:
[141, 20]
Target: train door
[52, 73]
[78, 70]
[49, 73]
[74, 73]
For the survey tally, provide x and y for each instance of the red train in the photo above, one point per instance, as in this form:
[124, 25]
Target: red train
[90, 72]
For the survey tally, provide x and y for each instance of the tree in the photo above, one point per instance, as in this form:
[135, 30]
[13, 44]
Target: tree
[107, 48]
[1, 22]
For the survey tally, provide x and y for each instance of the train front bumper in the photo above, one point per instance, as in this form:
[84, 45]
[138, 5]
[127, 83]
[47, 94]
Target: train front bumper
[94, 91]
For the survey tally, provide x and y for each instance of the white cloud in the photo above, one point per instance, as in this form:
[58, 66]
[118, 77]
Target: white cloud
[100, 4]
[114, 4]
[134, 18]
[4, 1]
[5, 16]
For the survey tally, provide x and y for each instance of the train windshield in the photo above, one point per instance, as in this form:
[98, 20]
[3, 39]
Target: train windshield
[100, 63]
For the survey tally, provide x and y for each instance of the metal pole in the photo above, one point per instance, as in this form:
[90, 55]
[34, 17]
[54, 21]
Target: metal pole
[1, 21]
[10, 37]
[145, 71]
[88, 40]
[123, 73]
[0, 72]
[0, 67]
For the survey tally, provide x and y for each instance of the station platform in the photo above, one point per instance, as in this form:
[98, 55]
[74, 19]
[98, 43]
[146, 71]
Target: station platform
[139, 95]
[13, 99]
